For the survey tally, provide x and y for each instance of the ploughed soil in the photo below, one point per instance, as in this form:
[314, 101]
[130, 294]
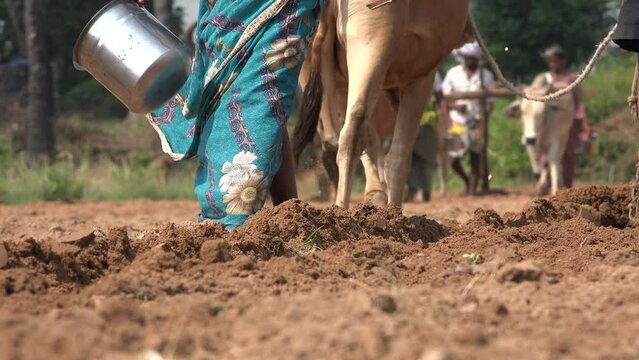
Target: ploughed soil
[552, 278]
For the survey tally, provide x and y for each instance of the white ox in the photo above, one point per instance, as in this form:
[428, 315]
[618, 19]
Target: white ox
[374, 62]
[546, 128]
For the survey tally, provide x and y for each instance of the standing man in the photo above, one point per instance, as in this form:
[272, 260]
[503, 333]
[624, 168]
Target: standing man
[558, 73]
[466, 114]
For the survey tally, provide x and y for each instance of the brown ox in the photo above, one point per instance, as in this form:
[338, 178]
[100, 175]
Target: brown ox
[360, 56]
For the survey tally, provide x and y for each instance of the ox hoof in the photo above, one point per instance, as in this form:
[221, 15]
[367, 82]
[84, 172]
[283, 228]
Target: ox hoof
[377, 198]
[542, 190]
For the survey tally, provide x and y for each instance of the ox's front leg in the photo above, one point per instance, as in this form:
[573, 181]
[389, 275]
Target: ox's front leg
[375, 186]
[364, 90]
[352, 141]
[539, 169]
[555, 155]
[535, 161]
[413, 100]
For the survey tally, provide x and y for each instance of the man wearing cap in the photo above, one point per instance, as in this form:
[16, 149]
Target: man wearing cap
[466, 114]
[559, 76]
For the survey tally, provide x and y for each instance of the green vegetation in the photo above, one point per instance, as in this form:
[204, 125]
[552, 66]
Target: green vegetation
[98, 179]
[112, 159]
[605, 92]
[474, 258]
[509, 164]
[101, 156]
[311, 242]
[607, 89]
[92, 100]
[528, 27]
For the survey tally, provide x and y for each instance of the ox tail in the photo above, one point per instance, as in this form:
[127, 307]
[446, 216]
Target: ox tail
[310, 104]
[309, 115]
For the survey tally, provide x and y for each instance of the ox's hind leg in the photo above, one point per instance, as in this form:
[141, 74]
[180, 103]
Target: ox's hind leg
[413, 100]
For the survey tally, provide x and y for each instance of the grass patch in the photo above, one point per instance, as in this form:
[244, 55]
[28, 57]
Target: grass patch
[22, 183]
[606, 90]
[507, 157]
[127, 180]
[311, 242]
[100, 179]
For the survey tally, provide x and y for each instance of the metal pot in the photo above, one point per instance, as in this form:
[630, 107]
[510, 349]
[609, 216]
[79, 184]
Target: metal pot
[133, 55]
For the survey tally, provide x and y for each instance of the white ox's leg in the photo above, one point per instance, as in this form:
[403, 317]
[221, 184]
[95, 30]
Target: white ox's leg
[367, 66]
[534, 159]
[352, 140]
[555, 177]
[555, 155]
[375, 186]
[539, 168]
[413, 100]
[542, 184]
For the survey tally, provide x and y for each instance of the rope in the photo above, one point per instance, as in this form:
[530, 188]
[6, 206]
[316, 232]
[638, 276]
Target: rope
[633, 102]
[633, 214]
[553, 96]
[633, 99]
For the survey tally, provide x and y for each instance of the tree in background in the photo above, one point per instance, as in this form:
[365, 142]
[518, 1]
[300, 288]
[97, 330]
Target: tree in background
[44, 31]
[64, 21]
[13, 9]
[528, 27]
[40, 139]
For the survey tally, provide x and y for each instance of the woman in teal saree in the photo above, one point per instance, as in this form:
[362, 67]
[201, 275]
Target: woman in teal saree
[231, 114]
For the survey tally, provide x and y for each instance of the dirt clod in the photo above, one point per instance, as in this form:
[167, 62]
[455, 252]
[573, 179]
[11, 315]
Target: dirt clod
[4, 257]
[608, 205]
[518, 273]
[501, 310]
[437, 355]
[385, 302]
[245, 263]
[300, 281]
[216, 251]
[589, 213]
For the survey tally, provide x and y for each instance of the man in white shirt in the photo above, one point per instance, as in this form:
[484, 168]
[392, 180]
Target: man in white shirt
[466, 114]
